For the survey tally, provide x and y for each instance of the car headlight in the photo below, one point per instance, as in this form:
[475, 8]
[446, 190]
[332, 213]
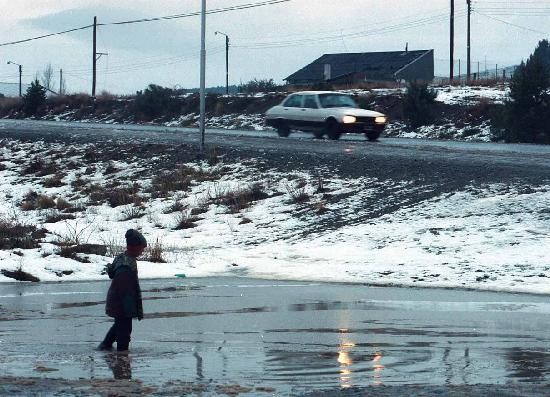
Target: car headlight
[349, 119]
[381, 120]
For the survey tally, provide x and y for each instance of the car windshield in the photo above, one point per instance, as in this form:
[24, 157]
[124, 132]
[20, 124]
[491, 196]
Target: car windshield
[336, 101]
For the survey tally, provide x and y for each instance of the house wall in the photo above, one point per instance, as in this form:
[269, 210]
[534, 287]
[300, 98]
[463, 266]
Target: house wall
[420, 70]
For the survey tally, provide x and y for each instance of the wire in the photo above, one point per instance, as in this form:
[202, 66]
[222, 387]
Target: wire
[513, 24]
[196, 13]
[191, 14]
[337, 37]
[46, 35]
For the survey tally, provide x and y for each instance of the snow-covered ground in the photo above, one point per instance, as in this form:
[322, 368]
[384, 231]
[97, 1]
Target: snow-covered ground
[494, 237]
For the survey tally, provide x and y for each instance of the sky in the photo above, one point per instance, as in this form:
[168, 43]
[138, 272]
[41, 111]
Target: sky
[266, 42]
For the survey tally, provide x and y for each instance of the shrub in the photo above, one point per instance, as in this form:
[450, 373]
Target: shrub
[417, 104]
[34, 99]
[155, 101]
[527, 114]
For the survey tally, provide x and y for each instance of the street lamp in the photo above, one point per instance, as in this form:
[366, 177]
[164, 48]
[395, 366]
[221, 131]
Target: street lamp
[20, 74]
[226, 60]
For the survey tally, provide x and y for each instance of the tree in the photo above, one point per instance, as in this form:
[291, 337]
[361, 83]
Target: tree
[155, 101]
[34, 98]
[418, 103]
[48, 80]
[527, 113]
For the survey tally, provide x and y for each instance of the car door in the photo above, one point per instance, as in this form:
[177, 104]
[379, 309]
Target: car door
[292, 110]
[310, 112]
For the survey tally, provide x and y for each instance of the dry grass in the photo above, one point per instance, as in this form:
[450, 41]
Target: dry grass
[155, 253]
[20, 275]
[185, 220]
[39, 167]
[298, 193]
[53, 181]
[178, 180]
[115, 196]
[133, 212]
[242, 198]
[35, 201]
[14, 234]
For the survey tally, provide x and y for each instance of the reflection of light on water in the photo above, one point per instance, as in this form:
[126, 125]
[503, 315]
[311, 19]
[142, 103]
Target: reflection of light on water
[377, 368]
[345, 360]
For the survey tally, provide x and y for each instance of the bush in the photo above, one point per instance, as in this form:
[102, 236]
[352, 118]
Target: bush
[527, 115]
[417, 104]
[254, 86]
[155, 101]
[35, 99]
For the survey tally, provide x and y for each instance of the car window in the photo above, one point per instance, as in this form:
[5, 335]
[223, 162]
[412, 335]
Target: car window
[336, 101]
[310, 102]
[294, 101]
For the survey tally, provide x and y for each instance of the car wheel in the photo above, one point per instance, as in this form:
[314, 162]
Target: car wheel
[372, 136]
[283, 130]
[331, 129]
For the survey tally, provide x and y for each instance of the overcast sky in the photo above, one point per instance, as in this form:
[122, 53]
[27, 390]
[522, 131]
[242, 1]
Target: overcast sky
[266, 42]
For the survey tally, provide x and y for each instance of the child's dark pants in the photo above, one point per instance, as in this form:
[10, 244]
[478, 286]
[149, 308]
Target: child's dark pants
[119, 332]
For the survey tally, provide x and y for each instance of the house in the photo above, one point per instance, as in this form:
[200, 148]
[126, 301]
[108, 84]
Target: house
[367, 67]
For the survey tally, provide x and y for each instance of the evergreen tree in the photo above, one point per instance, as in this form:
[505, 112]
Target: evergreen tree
[34, 99]
[528, 111]
[418, 103]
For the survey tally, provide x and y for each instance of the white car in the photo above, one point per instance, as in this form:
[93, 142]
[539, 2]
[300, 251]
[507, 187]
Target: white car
[325, 112]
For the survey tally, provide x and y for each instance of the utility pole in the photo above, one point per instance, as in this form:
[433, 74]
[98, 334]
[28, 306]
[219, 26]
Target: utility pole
[20, 78]
[94, 59]
[226, 61]
[203, 76]
[452, 41]
[469, 66]
[60, 81]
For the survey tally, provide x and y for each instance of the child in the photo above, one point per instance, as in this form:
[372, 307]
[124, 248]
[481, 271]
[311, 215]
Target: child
[124, 296]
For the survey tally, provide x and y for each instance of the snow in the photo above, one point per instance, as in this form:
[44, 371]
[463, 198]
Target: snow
[471, 95]
[492, 237]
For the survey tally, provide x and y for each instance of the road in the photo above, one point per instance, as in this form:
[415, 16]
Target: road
[515, 155]
[279, 338]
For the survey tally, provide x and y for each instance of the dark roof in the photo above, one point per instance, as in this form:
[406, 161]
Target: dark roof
[380, 64]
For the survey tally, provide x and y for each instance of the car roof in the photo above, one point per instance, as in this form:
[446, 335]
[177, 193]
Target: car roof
[318, 92]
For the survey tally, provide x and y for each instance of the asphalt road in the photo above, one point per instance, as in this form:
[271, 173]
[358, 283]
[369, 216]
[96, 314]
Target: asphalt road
[510, 156]
[220, 336]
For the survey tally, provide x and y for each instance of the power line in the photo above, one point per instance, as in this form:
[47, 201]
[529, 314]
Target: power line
[337, 37]
[46, 35]
[513, 24]
[169, 17]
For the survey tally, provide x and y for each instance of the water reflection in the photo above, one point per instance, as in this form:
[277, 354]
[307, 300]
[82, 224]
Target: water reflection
[120, 364]
[528, 364]
[345, 360]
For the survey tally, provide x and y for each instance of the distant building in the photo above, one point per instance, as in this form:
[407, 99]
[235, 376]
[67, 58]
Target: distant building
[367, 67]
